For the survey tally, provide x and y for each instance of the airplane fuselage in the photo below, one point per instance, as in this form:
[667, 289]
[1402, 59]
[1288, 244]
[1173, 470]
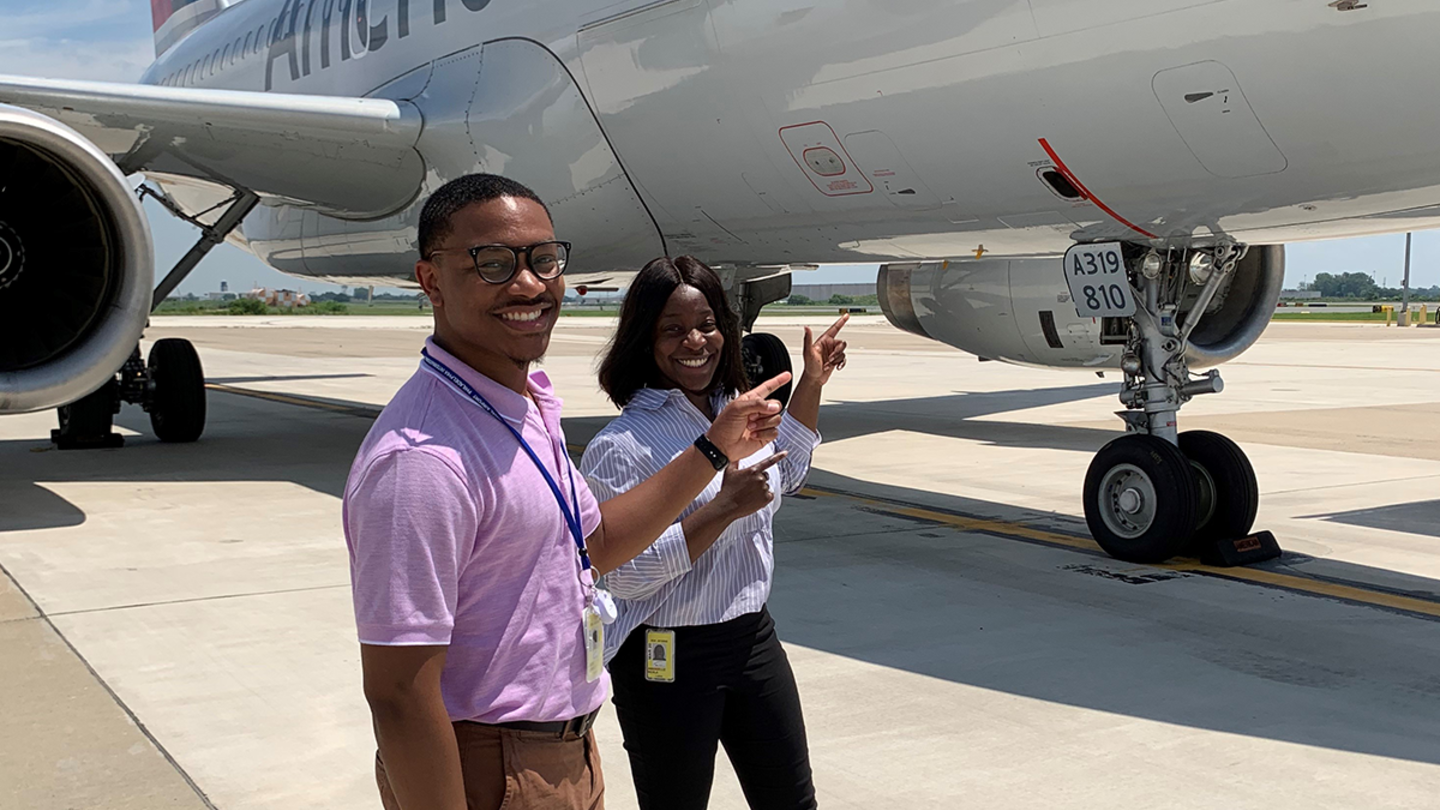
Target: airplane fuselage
[773, 132]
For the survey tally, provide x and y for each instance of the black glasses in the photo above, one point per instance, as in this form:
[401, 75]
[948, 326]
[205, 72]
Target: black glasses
[497, 264]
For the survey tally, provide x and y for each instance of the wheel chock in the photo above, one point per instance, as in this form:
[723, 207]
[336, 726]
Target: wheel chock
[1255, 548]
[64, 440]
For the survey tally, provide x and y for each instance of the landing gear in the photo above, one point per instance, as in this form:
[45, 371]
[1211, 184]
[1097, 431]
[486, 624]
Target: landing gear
[87, 423]
[1156, 492]
[171, 387]
[766, 356]
[1229, 492]
[1141, 499]
[176, 400]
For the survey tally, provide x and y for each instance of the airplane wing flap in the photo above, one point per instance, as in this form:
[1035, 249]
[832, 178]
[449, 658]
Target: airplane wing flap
[351, 157]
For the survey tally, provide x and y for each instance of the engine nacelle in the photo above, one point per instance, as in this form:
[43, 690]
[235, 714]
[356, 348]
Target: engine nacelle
[76, 264]
[1019, 311]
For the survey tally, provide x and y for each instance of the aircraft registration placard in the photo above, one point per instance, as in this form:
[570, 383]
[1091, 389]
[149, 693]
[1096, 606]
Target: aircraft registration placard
[1099, 285]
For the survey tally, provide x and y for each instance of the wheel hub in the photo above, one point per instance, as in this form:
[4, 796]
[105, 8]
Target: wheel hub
[12, 256]
[1131, 501]
[1127, 501]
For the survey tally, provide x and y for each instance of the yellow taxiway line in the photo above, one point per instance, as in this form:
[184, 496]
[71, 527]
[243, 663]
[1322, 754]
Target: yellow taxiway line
[1000, 528]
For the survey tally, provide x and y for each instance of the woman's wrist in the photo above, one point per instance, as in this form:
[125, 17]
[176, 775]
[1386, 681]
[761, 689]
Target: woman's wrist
[808, 377]
[714, 454]
[719, 509]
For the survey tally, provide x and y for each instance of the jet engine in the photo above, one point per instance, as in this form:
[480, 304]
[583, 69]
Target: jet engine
[1019, 311]
[76, 264]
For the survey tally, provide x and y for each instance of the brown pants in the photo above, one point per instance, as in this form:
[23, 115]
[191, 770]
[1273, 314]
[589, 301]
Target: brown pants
[520, 770]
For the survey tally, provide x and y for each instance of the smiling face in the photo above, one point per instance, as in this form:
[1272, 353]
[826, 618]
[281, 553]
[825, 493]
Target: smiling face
[494, 328]
[688, 341]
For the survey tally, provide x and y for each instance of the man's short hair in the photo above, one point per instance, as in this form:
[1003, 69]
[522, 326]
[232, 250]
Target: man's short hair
[451, 198]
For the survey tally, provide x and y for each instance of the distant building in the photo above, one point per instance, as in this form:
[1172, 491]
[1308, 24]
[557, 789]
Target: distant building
[823, 292]
[1299, 295]
[287, 299]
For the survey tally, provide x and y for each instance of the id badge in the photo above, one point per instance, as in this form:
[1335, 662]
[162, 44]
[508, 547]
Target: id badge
[594, 645]
[660, 656]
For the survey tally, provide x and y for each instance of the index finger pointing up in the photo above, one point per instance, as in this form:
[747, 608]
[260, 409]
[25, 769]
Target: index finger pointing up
[835, 327]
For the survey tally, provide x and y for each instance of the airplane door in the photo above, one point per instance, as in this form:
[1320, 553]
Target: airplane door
[528, 120]
[510, 108]
[664, 94]
[1211, 114]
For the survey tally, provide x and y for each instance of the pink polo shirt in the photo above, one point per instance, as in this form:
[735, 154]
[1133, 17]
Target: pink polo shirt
[455, 539]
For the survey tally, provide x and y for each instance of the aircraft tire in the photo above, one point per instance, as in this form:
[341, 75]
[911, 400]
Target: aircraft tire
[87, 422]
[766, 356]
[1229, 491]
[1141, 499]
[177, 402]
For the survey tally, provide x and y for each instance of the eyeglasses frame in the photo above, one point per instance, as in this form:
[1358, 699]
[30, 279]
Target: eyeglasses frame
[519, 252]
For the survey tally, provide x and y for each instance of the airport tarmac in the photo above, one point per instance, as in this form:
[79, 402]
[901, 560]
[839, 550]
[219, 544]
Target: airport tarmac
[177, 629]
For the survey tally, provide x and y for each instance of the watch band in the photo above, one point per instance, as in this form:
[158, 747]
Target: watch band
[712, 453]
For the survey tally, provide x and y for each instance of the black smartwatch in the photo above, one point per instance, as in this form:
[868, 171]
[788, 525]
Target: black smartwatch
[711, 452]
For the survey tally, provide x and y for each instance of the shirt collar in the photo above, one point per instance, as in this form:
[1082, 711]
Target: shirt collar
[511, 405]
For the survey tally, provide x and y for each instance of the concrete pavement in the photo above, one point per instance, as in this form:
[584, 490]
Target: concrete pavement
[956, 641]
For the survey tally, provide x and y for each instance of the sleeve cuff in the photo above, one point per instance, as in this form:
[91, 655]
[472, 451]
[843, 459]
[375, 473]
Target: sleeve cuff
[378, 635]
[793, 433]
[674, 552]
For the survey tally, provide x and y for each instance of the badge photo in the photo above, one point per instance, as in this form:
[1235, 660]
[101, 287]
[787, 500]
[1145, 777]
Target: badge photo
[660, 656]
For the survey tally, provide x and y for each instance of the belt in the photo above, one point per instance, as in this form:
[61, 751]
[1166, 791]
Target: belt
[579, 726]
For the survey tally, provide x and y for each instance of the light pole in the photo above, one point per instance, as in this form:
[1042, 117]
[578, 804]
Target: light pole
[1405, 288]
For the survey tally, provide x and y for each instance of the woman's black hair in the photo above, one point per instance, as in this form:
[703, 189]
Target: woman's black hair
[629, 363]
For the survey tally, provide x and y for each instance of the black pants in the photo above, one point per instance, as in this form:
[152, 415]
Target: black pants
[733, 685]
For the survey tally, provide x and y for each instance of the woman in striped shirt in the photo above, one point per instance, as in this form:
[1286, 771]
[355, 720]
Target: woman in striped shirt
[693, 654]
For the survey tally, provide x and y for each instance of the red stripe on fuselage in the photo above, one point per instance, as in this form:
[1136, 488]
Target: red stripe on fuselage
[1079, 186]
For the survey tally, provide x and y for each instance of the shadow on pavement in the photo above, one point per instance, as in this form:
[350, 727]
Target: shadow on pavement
[246, 440]
[951, 416]
[963, 607]
[1420, 517]
[284, 378]
[28, 506]
[1037, 621]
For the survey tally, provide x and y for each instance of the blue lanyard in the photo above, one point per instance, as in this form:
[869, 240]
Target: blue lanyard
[571, 511]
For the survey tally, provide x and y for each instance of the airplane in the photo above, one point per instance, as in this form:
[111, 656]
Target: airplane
[1087, 184]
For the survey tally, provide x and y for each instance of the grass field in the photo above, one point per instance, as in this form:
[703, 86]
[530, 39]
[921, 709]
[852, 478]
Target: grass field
[1339, 317]
[1364, 317]
[323, 308]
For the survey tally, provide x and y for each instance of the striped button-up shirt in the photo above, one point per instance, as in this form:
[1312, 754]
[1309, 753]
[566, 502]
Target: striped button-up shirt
[661, 587]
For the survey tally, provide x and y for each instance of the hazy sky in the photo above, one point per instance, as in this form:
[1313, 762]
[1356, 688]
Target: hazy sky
[112, 40]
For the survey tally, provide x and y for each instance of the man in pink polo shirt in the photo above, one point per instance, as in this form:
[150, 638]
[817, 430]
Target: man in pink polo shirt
[474, 544]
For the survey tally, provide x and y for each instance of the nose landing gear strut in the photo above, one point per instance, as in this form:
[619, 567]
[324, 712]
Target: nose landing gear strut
[1156, 492]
